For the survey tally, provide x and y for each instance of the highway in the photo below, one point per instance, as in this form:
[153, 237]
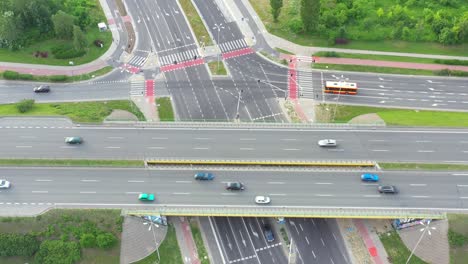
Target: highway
[120, 187]
[380, 144]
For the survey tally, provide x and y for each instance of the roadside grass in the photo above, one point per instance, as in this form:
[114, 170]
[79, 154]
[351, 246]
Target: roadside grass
[72, 163]
[365, 68]
[272, 58]
[74, 78]
[284, 51]
[197, 237]
[58, 222]
[394, 116]
[169, 250]
[375, 57]
[422, 166]
[281, 29]
[196, 22]
[25, 55]
[84, 112]
[165, 111]
[458, 224]
[213, 65]
[397, 252]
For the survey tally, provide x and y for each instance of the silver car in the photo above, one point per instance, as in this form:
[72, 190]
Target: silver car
[327, 143]
[262, 199]
[4, 184]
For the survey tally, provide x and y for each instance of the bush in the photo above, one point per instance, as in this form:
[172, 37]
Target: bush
[25, 76]
[447, 72]
[18, 245]
[58, 252]
[341, 41]
[58, 78]
[10, 75]
[333, 54]
[66, 52]
[25, 105]
[106, 240]
[452, 62]
[456, 239]
[88, 241]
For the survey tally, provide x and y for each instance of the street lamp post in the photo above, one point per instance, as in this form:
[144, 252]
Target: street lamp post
[219, 27]
[423, 230]
[238, 103]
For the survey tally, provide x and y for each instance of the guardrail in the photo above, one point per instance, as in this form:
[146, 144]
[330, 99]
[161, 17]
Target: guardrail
[267, 163]
[275, 211]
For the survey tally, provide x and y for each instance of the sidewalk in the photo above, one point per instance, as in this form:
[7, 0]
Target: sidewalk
[187, 245]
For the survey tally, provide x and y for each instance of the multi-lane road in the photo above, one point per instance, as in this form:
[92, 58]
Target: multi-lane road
[380, 144]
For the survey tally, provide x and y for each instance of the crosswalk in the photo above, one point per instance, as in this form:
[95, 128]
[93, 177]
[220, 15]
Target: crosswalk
[137, 61]
[179, 57]
[305, 58]
[232, 45]
[137, 88]
[306, 89]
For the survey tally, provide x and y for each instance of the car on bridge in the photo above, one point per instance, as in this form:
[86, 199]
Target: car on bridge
[235, 186]
[204, 176]
[73, 140]
[262, 200]
[4, 184]
[327, 143]
[268, 233]
[146, 197]
[369, 177]
[387, 189]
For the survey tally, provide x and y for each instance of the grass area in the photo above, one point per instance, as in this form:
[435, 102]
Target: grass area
[375, 57]
[289, 10]
[394, 116]
[84, 112]
[215, 70]
[202, 253]
[165, 111]
[72, 162]
[284, 234]
[74, 78]
[196, 22]
[397, 252]
[365, 68]
[57, 223]
[458, 224]
[25, 55]
[169, 250]
[422, 166]
[284, 51]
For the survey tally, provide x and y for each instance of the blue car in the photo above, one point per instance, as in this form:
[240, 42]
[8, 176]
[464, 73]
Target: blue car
[369, 177]
[204, 176]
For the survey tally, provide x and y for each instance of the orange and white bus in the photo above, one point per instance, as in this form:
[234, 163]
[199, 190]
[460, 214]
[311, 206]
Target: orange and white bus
[336, 87]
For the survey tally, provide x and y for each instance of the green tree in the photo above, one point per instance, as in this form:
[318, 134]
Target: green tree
[10, 32]
[25, 105]
[447, 36]
[276, 8]
[88, 240]
[462, 28]
[63, 25]
[58, 252]
[79, 39]
[106, 240]
[310, 14]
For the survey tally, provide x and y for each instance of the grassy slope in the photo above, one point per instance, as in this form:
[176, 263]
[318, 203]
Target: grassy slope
[199, 242]
[281, 29]
[87, 112]
[195, 22]
[458, 223]
[364, 68]
[396, 250]
[168, 250]
[165, 109]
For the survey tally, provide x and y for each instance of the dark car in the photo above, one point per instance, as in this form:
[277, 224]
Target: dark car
[236, 186]
[387, 189]
[268, 233]
[204, 176]
[42, 89]
[73, 140]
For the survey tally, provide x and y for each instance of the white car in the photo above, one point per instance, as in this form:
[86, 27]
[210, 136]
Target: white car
[4, 184]
[327, 143]
[262, 199]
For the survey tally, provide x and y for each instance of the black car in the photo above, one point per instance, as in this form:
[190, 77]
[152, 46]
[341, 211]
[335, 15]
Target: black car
[387, 189]
[42, 89]
[236, 186]
[268, 233]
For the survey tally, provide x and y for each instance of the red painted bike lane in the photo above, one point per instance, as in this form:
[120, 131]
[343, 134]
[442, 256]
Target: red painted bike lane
[362, 229]
[292, 78]
[189, 241]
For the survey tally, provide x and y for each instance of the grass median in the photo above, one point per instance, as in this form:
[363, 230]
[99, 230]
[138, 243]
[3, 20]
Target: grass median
[365, 68]
[82, 112]
[165, 111]
[422, 166]
[217, 68]
[72, 163]
[196, 22]
[197, 237]
[392, 116]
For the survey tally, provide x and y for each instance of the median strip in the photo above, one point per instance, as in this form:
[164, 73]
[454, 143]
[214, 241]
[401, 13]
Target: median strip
[71, 163]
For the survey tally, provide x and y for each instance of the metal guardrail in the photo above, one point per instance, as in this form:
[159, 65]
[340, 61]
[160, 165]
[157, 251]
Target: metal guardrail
[281, 163]
[305, 212]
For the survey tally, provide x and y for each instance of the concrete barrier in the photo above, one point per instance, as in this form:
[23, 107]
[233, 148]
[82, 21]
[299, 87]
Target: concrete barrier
[266, 163]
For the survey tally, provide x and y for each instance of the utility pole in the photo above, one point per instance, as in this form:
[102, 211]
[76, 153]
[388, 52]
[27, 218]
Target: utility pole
[219, 27]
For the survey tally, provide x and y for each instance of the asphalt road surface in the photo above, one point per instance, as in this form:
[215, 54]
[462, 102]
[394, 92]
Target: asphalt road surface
[120, 187]
[381, 144]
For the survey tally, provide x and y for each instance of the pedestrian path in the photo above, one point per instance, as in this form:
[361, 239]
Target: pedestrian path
[292, 78]
[137, 88]
[175, 58]
[376, 250]
[232, 45]
[149, 85]
[306, 89]
[182, 65]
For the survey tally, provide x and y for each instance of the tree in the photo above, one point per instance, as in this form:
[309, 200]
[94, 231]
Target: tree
[25, 105]
[63, 25]
[310, 13]
[79, 39]
[462, 28]
[58, 252]
[447, 36]
[10, 33]
[88, 240]
[106, 240]
[276, 8]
